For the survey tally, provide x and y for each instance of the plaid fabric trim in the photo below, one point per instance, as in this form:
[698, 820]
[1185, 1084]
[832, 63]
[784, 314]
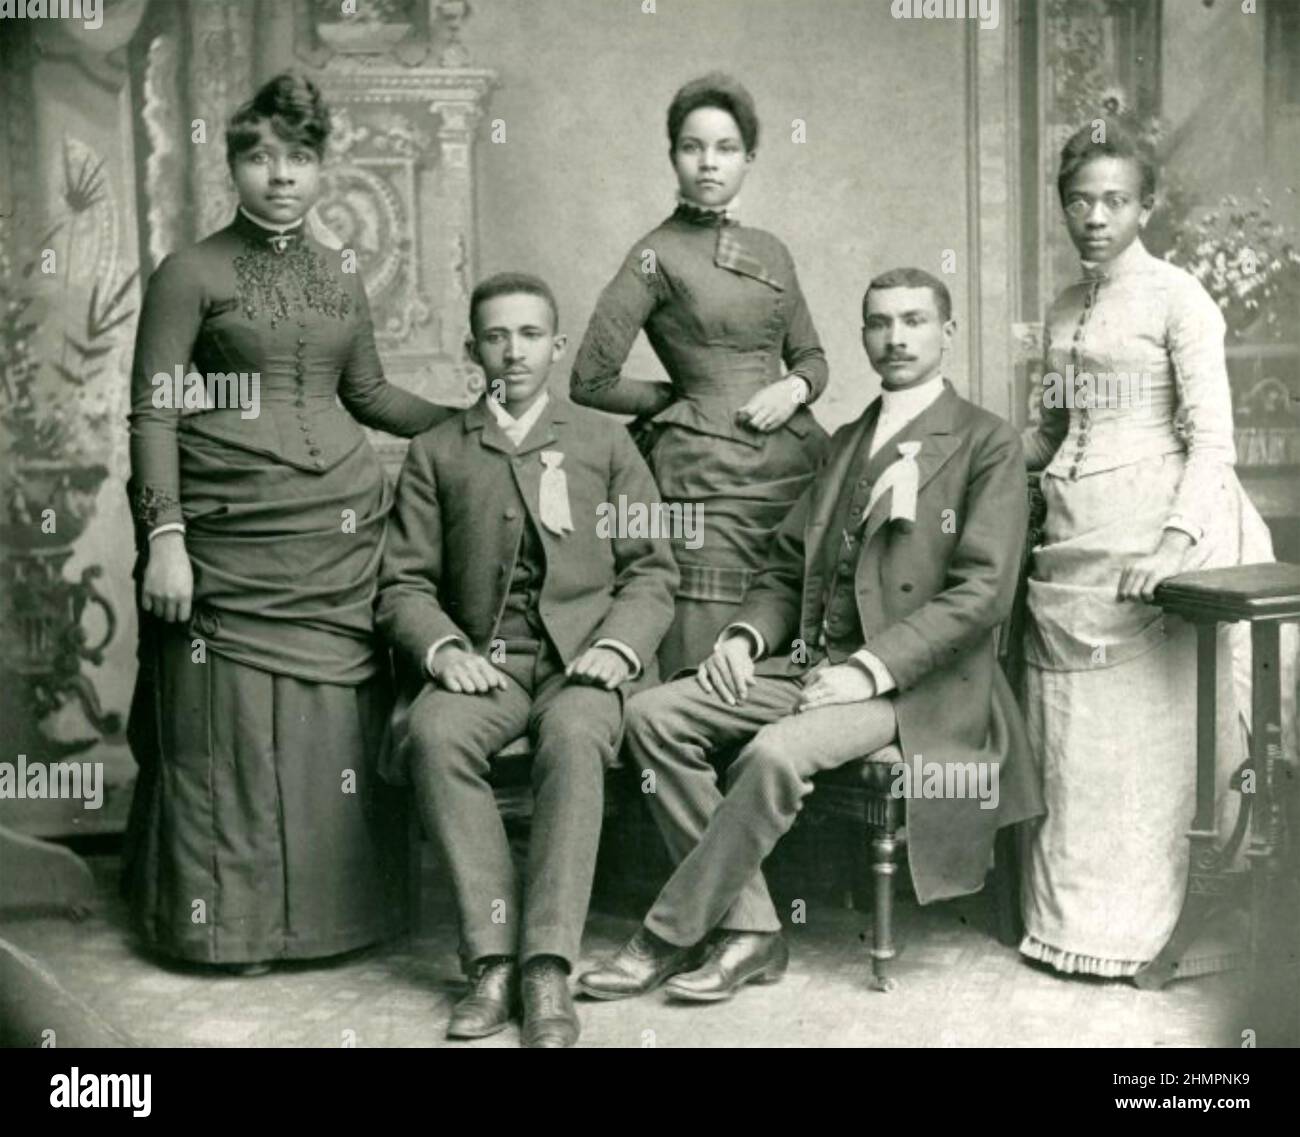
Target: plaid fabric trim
[714, 582]
[730, 253]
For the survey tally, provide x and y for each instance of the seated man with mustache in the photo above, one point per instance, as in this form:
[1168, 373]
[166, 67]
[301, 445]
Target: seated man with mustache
[873, 622]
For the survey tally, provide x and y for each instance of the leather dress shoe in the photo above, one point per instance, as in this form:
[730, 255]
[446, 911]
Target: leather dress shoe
[638, 967]
[550, 1020]
[732, 960]
[486, 1009]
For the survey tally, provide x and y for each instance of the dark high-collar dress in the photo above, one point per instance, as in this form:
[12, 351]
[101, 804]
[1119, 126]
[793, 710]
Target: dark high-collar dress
[722, 308]
[259, 829]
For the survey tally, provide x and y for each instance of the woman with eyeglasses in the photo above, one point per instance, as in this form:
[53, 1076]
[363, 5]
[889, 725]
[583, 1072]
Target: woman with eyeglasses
[1136, 451]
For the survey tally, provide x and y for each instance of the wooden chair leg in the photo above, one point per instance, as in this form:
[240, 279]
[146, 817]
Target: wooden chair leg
[884, 865]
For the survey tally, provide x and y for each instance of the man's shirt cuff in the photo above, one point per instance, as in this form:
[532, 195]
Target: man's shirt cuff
[433, 650]
[634, 661]
[879, 673]
[757, 643]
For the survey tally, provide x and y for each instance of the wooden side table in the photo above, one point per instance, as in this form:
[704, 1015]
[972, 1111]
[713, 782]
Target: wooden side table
[1266, 596]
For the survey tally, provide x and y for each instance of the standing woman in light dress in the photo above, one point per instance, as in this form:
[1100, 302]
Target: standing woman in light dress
[729, 436]
[259, 830]
[1138, 477]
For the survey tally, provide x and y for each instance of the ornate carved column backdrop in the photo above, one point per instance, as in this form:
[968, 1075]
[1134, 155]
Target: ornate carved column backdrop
[398, 186]
[399, 192]
[400, 189]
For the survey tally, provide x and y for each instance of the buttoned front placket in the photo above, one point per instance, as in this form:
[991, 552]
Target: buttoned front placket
[840, 621]
[1082, 404]
[300, 400]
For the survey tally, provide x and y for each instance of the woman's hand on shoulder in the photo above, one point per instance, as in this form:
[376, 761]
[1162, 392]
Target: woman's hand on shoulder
[773, 406]
[168, 589]
[1142, 575]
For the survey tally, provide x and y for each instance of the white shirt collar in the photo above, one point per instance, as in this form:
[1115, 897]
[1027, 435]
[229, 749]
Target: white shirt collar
[516, 429]
[261, 224]
[908, 402]
[898, 408]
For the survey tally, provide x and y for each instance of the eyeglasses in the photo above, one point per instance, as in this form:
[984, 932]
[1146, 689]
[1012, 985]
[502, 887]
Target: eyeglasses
[1111, 203]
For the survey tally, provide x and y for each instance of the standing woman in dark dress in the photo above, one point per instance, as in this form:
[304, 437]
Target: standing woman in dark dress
[730, 434]
[259, 830]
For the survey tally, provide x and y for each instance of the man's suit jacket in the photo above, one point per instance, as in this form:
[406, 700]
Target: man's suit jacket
[930, 595]
[457, 525]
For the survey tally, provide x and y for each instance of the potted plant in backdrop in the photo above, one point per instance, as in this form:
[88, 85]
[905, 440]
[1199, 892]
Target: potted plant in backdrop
[1250, 264]
[55, 423]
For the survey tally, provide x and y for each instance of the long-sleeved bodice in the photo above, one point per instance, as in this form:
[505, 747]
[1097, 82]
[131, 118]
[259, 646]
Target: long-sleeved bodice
[234, 306]
[1135, 369]
[722, 308]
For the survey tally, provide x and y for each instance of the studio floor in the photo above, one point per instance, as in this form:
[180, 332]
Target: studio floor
[957, 987]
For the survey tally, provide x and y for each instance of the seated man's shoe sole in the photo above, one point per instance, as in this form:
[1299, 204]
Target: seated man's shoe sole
[765, 978]
[732, 960]
[609, 996]
[637, 968]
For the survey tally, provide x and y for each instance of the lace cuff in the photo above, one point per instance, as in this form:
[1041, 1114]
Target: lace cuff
[151, 506]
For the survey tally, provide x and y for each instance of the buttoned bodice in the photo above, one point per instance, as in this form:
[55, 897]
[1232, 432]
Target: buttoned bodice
[1134, 368]
[243, 304]
[722, 309]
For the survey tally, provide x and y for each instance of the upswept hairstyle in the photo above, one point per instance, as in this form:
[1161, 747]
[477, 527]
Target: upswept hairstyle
[292, 104]
[911, 278]
[507, 284]
[722, 92]
[1117, 142]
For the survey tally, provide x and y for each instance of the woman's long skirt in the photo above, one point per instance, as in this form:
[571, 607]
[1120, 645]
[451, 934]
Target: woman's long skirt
[1111, 713]
[260, 829]
[731, 494]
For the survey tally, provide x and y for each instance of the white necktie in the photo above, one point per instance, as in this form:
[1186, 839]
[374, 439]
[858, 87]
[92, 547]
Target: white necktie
[553, 494]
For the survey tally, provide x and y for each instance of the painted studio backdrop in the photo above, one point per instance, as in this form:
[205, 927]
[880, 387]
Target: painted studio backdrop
[475, 137]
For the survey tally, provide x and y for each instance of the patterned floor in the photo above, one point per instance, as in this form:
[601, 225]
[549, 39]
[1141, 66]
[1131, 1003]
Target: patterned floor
[958, 987]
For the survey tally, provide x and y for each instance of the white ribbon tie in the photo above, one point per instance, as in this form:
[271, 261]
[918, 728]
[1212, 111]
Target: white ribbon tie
[903, 476]
[553, 494]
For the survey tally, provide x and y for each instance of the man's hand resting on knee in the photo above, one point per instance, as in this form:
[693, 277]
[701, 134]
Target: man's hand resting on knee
[600, 667]
[464, 673]
[729, 671]
[837, 683]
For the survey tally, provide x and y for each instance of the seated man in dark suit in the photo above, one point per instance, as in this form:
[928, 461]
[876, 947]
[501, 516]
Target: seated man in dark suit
[873, 622]
[526, 616]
